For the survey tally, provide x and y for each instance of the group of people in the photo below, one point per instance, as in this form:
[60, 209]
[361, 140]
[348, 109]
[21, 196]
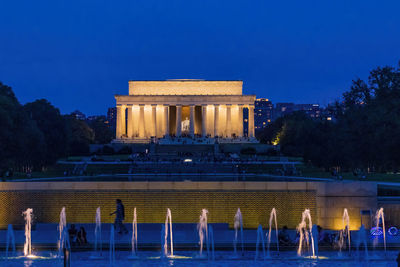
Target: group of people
[78, 237]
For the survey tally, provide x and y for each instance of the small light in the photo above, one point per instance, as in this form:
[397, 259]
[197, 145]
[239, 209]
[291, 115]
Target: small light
[393, 231]
[376, 231]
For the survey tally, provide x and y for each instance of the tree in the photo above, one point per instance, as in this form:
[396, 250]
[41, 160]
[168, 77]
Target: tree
[364, 135]
[79, 136]
[52, 125]
[102, 133]
[21, 141]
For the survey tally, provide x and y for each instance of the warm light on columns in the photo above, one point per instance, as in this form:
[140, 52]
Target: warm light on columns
[228, 120]
[204, 120]
[216, 120]
[166, 120]
[141, 121]
[154, 119]
[130, 121]
[251, 121]
[122, 121]
[240, 122]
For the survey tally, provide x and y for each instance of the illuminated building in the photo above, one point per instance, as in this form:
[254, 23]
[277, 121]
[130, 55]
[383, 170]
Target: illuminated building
[263, 110]
[194, 108]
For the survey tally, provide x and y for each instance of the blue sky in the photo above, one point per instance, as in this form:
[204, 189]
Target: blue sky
[78, 54]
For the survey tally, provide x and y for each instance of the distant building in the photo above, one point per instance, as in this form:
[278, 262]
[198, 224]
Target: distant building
[312, 110]
[282, 109]
[112, 117]
[96, 117]
[78, 115]
[263, 112]
[194, 109]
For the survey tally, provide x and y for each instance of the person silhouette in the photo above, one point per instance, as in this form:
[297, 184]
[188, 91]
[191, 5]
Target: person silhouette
[119, 217]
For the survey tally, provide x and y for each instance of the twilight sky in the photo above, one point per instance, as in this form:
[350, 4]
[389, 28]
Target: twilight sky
[79, 53]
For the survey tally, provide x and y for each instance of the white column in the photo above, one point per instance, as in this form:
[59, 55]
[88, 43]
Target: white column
[240, 122]
[135, 120]
[166, 120]
[191, 124]
[204, 120]
[178, 120]
[228, 120]
[130, 121]
[118, 131]
[122, 121]
[141, 121]
[216, 120]
[154, 119]
[251, 121]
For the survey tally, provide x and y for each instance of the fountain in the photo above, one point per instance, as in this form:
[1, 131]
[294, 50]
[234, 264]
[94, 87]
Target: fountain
[203, 231]
[314, 236]
[97, 233]
[345, 231]
[63, 241]
[260, 237]
[271, 217]
[165, 230]
[112, 245]
[380, 215]
[305, 234]
[134, 234]
[362, 239]
[238, 222]
[28, 224]
[211, 239]
[10, 240]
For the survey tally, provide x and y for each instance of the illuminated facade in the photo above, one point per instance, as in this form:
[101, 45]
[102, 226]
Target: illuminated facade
[262, 113]
[195, 108]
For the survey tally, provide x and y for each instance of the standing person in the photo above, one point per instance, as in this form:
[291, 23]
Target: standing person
[119, 217]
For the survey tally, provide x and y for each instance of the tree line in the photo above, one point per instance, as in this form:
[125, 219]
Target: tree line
[33, 136]
[363, 133]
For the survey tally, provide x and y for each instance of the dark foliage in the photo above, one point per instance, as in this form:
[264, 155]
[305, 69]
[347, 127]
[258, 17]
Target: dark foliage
[365, 133]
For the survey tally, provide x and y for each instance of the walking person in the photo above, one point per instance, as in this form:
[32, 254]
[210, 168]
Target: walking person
[119, 217]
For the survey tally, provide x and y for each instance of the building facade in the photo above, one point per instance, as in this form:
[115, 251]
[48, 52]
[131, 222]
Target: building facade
[282, 109]
[178, 108]
[263, 112]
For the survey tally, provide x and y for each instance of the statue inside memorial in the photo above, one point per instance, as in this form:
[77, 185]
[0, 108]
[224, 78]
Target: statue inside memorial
[185, 125]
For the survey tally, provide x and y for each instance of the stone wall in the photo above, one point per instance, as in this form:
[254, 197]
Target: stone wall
[186, 199]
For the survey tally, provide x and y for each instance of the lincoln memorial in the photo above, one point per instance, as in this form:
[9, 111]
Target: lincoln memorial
[184, 108]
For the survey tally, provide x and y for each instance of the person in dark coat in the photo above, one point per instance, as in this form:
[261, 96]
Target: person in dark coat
[119, 217]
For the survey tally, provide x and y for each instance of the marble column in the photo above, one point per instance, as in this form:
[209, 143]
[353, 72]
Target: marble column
[141, 121]
[229, 120]
[204, 120]
[122, 121]
[216, 120]
[118, 132]
[154, 119]
[130, 121]
[251, 121]
[178, 120]
[240, 123]
[191, 123]
[166, 120]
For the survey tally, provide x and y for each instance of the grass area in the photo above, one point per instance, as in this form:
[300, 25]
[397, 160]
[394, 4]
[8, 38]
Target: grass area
[321, 173]
[122, 157]
[305, 170]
